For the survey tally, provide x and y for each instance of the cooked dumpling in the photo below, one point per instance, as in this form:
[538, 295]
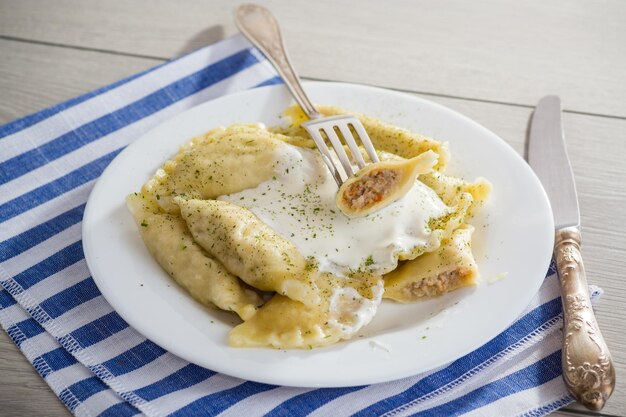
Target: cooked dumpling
[249, 248]
[222, 161]
[245, 209]
[464, 198]
[170, 243]
[385, 137]
[287, 324]
[450, 189]
[380, 184]
[450, 267]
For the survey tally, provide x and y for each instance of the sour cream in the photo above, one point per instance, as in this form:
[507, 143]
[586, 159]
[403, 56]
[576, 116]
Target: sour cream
[299, 204]
[350, 312]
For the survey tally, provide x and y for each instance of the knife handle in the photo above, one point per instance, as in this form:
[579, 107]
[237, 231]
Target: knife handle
[587, 365]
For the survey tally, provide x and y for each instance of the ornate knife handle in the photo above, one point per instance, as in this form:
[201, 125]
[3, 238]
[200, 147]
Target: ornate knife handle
[587, 365]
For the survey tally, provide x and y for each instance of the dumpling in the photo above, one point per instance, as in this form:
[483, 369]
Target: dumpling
[191, 218]
[450, 267]
[385, 137]
[222, 161]
[249, 248]
[379, 184]
[170, 243]
[287, 324]
[464, 198]
[450, 189]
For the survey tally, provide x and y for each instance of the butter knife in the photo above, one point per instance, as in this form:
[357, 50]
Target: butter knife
[587, 365]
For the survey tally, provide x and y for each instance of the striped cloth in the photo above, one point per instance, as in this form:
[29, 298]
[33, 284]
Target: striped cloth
[98, 365]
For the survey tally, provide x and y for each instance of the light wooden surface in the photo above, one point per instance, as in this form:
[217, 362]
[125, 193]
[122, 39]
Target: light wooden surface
[490, 60]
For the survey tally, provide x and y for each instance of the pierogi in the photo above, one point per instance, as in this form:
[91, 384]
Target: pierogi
[249, 219]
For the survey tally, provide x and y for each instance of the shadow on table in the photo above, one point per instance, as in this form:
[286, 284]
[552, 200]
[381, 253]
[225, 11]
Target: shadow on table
[206, 37]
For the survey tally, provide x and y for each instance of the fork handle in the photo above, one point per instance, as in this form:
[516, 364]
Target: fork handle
[261, 28]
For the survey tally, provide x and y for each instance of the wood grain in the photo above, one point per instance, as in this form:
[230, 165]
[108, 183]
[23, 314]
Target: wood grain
[503, 51]
[22, 391]
[35, 76]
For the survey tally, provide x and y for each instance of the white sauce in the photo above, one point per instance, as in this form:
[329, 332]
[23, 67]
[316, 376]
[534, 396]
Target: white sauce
[299, 203]
[349, 311]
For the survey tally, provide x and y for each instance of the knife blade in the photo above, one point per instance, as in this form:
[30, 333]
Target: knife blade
[588, 369]
[547, 155]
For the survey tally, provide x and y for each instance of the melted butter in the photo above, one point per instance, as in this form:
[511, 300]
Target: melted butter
[497, 277]
[379, 345]
[299, 203]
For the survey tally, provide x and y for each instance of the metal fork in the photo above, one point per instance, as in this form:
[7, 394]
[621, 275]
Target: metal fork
[261, 28]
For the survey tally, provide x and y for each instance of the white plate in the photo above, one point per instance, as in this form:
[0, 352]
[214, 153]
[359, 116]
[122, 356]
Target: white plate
[514, 235]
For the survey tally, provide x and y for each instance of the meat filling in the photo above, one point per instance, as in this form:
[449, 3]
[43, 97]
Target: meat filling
[437, 285]
[370, 189]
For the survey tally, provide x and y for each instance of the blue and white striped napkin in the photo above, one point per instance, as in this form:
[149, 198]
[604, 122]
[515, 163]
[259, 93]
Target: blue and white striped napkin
[98, 365]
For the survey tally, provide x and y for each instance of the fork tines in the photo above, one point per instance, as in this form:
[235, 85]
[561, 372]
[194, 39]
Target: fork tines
[332, 127]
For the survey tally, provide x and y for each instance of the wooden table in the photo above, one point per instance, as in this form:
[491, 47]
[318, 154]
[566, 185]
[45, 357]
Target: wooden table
[490, 60]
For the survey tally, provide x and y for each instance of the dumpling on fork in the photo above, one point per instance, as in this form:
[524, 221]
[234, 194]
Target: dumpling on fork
[379, 184]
